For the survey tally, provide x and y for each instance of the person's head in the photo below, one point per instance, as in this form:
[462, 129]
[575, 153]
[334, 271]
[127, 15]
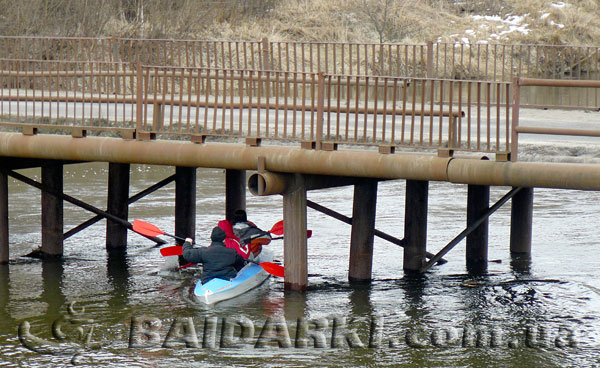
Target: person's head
[239, 216]
[217, 235]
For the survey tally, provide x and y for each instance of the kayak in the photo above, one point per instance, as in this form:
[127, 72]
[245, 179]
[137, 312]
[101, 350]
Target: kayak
[249, 277]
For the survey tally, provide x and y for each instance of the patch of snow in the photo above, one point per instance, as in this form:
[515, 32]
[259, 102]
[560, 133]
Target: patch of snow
[489, 18]
[559, 4]
[464, 40]
[544, 16]
[514, 19]
[552, 23]
[470, 32]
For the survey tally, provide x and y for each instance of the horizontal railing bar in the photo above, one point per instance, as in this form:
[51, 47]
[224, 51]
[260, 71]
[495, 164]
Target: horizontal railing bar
[243, 105]
[559, 83]
[557, 131]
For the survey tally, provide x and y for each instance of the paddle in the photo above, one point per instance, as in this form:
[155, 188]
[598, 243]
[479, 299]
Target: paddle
[144, 228]
[272, 268]
[277, 229]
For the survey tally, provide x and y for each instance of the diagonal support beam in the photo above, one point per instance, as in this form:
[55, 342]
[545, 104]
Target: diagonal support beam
[470, 228]
[348, 220]
[76, 202]
[132, 199]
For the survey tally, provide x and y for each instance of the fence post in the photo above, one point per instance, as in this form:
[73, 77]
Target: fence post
[320, 110]
[429, 59]
[266, 64]
[514, 142]
[138, 98]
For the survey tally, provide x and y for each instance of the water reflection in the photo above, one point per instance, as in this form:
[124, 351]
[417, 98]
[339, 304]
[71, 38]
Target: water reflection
[294, 305]
[520, 264]
[117, 271]
[52, 286]
[6, 319]
[360, 300]
[414, 287]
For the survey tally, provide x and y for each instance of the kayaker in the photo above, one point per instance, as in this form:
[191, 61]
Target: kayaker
[218, 261]
[244, 236]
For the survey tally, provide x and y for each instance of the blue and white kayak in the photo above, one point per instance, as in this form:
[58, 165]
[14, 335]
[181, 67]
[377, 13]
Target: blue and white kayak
[249, 277]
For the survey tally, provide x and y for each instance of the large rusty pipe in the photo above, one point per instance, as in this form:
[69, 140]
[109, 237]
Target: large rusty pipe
[268, 183]
[286, 159]
[358, 163]
[525, 174]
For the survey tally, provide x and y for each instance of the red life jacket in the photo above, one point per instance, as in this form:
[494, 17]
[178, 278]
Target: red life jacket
[232, 241]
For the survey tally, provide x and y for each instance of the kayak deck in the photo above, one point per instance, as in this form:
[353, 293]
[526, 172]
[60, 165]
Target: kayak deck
[249, 277]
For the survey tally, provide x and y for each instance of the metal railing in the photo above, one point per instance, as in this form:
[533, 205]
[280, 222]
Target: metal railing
[480, 61]
[458, 61]
[265, 104]
[518, 84]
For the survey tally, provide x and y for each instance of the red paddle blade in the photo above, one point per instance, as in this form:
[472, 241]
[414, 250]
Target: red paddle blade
[145, 228]
[308, 233]
[273, 268]
[186, 266]
[277, 229]
[175, 250]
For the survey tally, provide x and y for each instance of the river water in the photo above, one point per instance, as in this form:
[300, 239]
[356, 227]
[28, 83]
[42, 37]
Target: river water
[94, 310]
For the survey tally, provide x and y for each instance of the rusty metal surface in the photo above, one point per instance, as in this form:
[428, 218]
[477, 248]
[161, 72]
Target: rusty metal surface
[525, 174]
[358, 163]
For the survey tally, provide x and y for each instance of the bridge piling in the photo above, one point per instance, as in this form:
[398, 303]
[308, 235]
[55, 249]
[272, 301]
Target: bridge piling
[294, 244]
[363, 232]
[235, 192]
[478, 199]
[521, 222]
[117, 205]
[4, 247]
[185, 202]
[52, 210]
[415, 225]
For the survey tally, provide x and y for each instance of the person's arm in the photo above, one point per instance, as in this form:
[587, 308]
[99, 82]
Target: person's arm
[239, 262]
[190, 254]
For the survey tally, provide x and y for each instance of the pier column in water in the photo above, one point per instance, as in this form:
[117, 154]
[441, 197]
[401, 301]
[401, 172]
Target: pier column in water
[363, 231]
[185, 202]
[235, 192]
[294, 244]
[521, 222]
[478, 200]
[4, 253]
[118, 196]
[415, 225]
[52, 210]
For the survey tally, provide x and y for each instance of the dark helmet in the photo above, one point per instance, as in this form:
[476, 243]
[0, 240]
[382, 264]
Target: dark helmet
[239, 216]
[217, 235]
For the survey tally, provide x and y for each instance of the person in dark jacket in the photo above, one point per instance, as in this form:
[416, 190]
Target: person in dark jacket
[218, 261]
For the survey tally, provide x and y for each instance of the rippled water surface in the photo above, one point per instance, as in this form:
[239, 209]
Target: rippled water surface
[127, 312]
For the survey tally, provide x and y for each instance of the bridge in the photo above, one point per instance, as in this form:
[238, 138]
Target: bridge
[300, 117]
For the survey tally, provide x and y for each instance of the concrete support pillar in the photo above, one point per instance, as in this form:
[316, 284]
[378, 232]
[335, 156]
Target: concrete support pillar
[52, 211]
[185, 202]
[235, 192]
[363, 231]
[118, 195]
[4, 253]
[415, 225]
[294, 244]
[478, 201]
[521, 221]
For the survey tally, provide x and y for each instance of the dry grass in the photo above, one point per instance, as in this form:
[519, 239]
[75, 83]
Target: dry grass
[408, 21]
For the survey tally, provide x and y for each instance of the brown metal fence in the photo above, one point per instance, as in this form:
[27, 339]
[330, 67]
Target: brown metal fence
[487, 62]
[98, 95]
[293, 106]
